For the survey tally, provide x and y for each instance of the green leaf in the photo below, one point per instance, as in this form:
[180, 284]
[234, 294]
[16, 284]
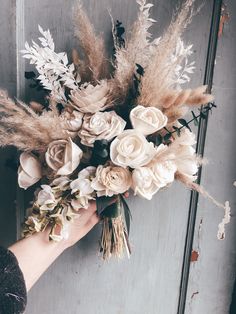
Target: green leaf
[158, 140]
[183, 122]
[177, 130]
[127, 213]
[167, 137]
[30, 75]
[103, 202]
[140, 69]
[203, 115]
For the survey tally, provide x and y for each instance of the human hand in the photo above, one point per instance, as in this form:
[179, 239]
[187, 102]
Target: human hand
[82, 224]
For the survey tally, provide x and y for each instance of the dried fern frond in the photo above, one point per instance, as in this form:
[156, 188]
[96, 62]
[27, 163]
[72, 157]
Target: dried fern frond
[158, 74]
[21, 127]
[93, 46]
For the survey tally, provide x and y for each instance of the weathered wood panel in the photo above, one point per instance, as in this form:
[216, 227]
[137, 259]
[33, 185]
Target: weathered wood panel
[79, 282]
[213, 274]
[8, 82]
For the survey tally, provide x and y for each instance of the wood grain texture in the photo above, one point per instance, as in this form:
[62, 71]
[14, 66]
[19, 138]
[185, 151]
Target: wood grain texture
[79, 282]
[212, 276]
[8, 82]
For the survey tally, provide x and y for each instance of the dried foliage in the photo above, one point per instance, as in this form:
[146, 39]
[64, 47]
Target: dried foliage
[92, 45]
[21, 127]
[174, 102]
[158, 75]
[137, 49]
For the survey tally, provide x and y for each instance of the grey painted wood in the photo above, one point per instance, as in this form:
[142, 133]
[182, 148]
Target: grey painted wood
[8, 82]
[212, 276]
[79, 282]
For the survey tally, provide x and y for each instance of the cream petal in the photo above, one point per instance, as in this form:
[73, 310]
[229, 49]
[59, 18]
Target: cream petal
[31, 165]
[73, 155]
[25, 180]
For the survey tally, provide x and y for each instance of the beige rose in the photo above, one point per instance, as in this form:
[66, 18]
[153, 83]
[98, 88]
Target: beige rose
[63, 156]
[71, 122]
[131, 149]
[29, 171]
[101, 125]
[111, 180]
[147, 120]
[89, 98]
[144, 183]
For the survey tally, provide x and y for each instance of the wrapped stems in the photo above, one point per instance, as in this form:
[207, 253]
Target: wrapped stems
[114, 238]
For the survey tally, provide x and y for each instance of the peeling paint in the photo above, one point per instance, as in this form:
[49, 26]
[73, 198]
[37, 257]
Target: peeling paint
[194, 293]
[224, 18]
[194, 256]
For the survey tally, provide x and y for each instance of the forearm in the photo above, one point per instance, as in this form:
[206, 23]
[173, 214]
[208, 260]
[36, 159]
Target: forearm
[35, 254]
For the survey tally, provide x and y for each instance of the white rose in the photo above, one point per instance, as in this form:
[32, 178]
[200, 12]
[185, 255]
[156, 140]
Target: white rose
[82, 189]
[46, 199]
[186, 138]
[144, 183]
[63, 156]
[101, 125]
[164, 172]
[89, 98]
[185, 156]
[131, 149]
[147, 120]
[29, 171]
[83, 183]
[111, 180]
[186, 162]
[71, 122]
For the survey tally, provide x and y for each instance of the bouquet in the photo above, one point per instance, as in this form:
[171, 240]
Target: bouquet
[106, 126]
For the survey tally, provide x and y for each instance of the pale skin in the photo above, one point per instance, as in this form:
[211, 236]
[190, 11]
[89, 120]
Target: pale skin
[36, 253]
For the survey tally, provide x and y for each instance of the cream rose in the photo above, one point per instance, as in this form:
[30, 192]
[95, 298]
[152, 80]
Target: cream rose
[131, 149]
[29, 171]
[71, 122]
[63, 156]
[185, 157]
[111, 180]
[147, 120]
[89, 98]
[144, 183]
[101, 125]
[187, 162]
[164, 172]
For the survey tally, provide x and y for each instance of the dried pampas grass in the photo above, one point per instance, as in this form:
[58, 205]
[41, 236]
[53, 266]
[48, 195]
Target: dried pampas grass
[137, 50]
[158, 74]
[192, 97]
[174, 103]
[93, 46]
[21, 127]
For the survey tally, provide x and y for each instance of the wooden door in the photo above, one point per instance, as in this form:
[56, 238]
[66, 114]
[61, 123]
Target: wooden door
[149, 283]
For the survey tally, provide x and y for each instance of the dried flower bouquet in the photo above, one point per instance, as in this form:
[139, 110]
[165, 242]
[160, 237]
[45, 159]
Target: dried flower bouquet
[103, 131]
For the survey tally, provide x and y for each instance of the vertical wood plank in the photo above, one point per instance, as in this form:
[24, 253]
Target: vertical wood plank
[8, 82]
[79, 281]
[213, 274]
